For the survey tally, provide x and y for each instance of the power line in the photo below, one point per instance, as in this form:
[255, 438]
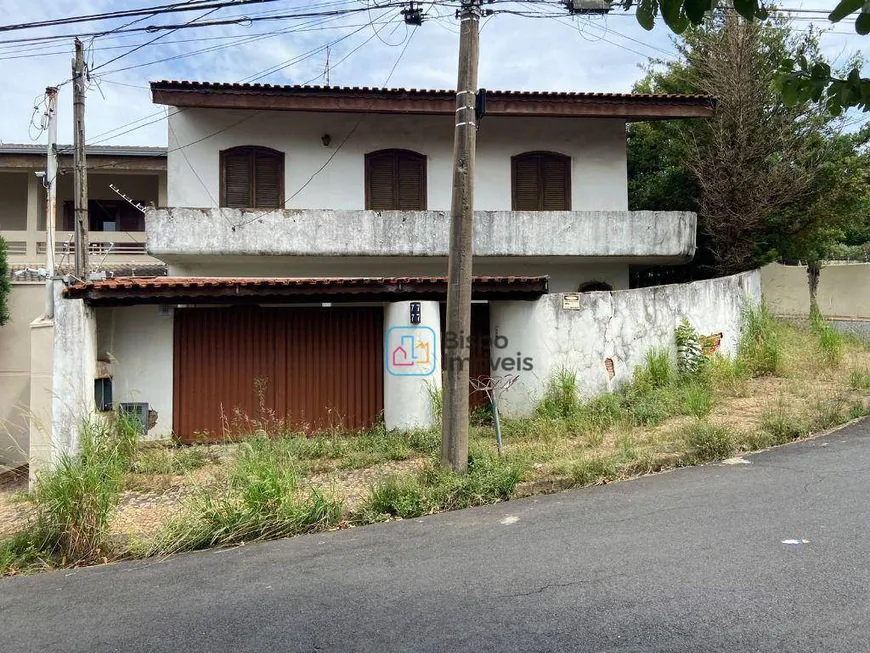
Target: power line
[247, 20]
[258, 112]
[189, 5]
[156, 38]
[340, 145]
[111, 134]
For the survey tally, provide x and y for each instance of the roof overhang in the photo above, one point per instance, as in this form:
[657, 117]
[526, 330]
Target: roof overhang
[255, 290]
[627, 106]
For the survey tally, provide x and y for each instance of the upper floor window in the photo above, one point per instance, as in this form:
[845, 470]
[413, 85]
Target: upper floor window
[395, 181]
[252, 177]
[541, 181]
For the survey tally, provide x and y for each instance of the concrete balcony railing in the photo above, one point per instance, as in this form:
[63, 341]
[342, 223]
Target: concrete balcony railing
[184, 233]
[114, 246]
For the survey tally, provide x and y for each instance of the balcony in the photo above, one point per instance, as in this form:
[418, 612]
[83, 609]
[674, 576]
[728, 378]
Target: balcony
[29, 247]
[178, 235]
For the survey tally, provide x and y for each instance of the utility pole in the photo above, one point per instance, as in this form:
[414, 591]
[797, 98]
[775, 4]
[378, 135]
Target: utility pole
[81, 169]
[51, 198]
[454, 436]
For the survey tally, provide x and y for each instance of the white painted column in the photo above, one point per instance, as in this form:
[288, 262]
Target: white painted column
[74, 369]
[32, 213]
[412, 360]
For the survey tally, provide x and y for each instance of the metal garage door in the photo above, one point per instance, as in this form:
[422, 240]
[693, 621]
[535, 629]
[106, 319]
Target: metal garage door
[314, 367]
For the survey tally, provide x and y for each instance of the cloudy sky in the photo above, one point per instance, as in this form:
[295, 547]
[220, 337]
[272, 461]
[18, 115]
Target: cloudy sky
[545, 52]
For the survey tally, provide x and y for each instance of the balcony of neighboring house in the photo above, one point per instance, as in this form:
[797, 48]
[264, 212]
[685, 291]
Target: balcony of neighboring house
[116, 228]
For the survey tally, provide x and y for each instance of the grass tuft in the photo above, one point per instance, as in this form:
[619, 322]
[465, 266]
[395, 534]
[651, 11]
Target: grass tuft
[760, 349]
[705, 442]
[830, 344]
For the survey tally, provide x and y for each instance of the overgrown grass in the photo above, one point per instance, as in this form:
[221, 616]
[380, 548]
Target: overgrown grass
[487, 480]
[760, 350]
[706, 443]
[830, 343]
[262, 498]
[73, 502]
[170, 460]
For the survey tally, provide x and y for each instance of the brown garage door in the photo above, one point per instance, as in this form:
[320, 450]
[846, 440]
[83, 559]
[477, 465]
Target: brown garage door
[315, 368]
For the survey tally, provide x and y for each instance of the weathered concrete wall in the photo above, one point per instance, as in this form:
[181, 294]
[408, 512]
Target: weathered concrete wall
[74, 370]
[843, 293]
[622, 326]
[137, 343]
[637, 235]
[597, 148]
[26, 302]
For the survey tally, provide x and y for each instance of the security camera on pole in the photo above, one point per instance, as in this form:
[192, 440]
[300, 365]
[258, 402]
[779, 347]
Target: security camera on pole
[454, 437]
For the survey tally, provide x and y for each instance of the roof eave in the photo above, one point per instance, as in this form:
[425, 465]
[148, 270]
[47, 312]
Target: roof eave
[432, 103]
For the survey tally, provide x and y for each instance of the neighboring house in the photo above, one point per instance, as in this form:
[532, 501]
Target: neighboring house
[305, 231]
[116, 244]
[117, 229]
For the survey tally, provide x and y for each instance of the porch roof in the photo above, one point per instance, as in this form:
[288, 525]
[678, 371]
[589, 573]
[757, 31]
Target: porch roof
[248, 290]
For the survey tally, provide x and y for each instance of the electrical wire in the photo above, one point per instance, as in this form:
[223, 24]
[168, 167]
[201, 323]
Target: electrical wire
[112, 134]
[340, 145]
[188, 5]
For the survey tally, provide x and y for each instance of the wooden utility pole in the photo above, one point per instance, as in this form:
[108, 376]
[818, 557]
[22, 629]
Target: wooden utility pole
[454, 437]
[80, 163]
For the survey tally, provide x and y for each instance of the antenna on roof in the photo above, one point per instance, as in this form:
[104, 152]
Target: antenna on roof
[326, 69]
[127, 199]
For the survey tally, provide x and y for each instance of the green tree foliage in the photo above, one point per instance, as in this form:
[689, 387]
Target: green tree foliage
[5, 284]
[769, 180]
[800, 78]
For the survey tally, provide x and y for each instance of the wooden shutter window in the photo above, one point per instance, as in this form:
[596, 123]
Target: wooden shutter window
[252, 177]
[541, 182]
[395, 181]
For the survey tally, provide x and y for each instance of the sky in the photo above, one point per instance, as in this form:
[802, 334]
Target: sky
[369, 47]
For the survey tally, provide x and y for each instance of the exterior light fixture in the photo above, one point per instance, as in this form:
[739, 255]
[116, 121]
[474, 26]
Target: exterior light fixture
[326, 139]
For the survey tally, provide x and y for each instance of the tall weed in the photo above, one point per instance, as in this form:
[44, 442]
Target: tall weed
[760, 349]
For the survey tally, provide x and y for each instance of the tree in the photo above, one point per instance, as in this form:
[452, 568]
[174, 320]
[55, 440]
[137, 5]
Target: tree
[768, 180]
[5, 284]
[800, 79]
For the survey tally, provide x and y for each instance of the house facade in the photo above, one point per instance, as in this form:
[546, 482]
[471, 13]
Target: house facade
[305, 232]
[116, 246]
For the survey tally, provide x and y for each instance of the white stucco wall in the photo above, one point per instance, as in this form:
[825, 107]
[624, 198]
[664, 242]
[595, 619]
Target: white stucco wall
[26, 302]
[621, 325]
[597, 148]
[138, 343]
[74, 369]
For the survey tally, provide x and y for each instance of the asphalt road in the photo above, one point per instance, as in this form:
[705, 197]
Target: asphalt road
[691, 560]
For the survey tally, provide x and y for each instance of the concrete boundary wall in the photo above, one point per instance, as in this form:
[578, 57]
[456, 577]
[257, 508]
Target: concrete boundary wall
[843, 293]
[26, 302]
[621, 326]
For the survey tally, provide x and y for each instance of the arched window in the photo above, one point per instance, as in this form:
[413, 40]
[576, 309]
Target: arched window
[252, 177]
[395, 181]
[594, 286]
[541, 181]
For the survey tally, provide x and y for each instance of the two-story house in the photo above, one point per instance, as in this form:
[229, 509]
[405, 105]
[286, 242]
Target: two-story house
[306, 237]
